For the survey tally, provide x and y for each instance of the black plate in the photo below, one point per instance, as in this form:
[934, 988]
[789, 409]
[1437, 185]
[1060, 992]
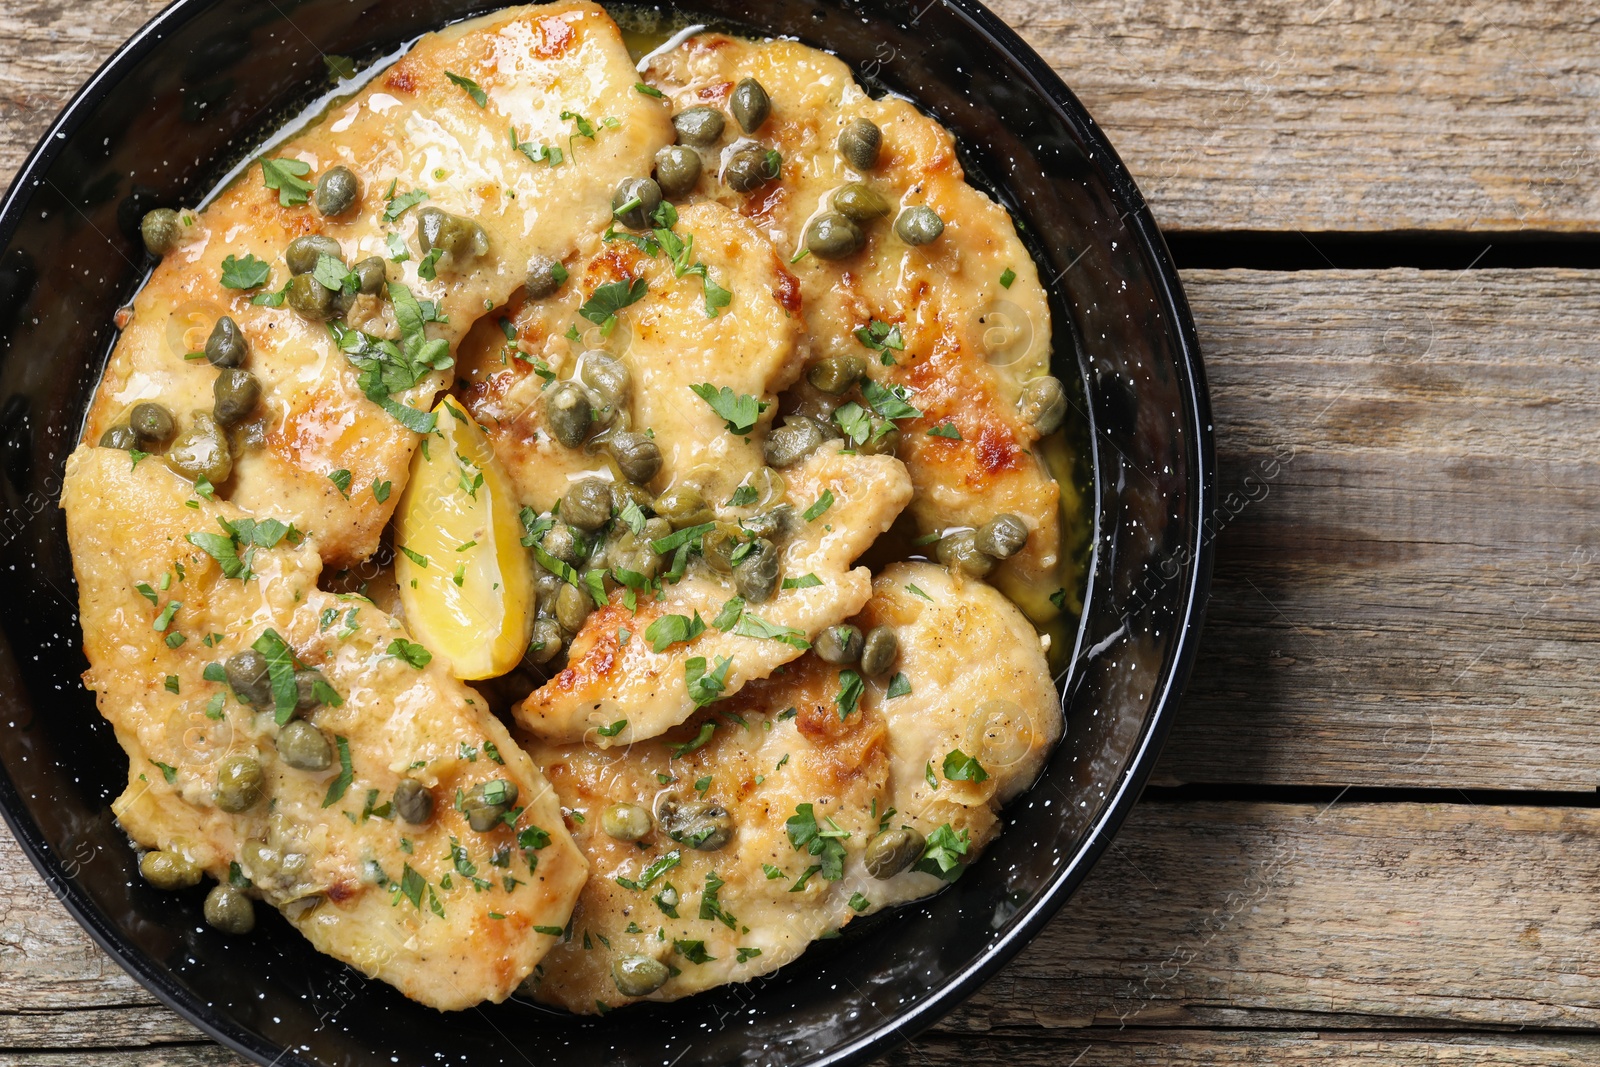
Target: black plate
[187, 96]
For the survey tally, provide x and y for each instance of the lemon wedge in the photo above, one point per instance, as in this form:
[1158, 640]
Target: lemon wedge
[465, 579]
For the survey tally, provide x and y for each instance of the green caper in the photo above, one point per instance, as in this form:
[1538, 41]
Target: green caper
[568, 413]
[372, 275]
[838, 644]
[634, 201]
[1002, 536]
[859, 202]
[639, 976]
[960, 551]
[750, 105]
[859, 143]
[236, 391]
[305, 688]
[655, 528]
[413, 802]
[225, 346]
[832, 236]
[587, 504]
[719, 544]
[883, 438]
[609, 383]
[239, 783]
[150, 422]
[792, 442]
[893, 851]
[572, 608]
[169, 870]
[878, 651]
[249, 678]
[303, 252]
[700, 126]
[625, 822]
[1043, 404]
[637, 456]
[461, 241]
[310, 297]
[836, 374]
[546, 643]
[545, 588]
[683, 506]
[121, 436]
[487, 804]
[756, 575]
[564, 543]
[677, 170]
[918, 225]
[623, 493]
[337, 191]
[750, 168]
[701, 824]
[304, 747]
[161, 229]
[229, 910]
[545, 275]
[202, 451]
[774, 524]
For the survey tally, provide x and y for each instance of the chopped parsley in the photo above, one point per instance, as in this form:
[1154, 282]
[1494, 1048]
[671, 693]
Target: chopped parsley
[399, 205]
[879, 336]
[711, 907]
[288, 178]
[380, 491]
[655, 870]
[945, 430]
[899, 686]
[693, 951]
[704, 687]
[738, 411]
[698, 741]
[410, 651]
[280, 674]
[748, 954]
[942, 855]
[816, 510]
[892, 402]
[850, 689]
[246, 273]
[805, 581]
[1007, 276]
[649, 90]
[387, 368]
[669, 630]
[603, 304]
[825, 843]
[470, 87]
[341, 481]
[960, 767]
[913, 589]
[169, 772]
[743, 496]
[347, 774]
[613, 730]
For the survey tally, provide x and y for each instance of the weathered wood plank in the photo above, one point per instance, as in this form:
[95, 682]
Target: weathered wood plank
[1407, 558]
[1240, 114]
[1201, 916]
[1343, 114]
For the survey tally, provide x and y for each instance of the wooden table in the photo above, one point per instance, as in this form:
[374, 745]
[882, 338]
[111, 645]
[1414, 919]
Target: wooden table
[1374, 836]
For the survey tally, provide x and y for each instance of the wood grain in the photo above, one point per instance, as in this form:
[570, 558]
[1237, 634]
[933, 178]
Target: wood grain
[1236, 114]
[1414, 597]
[1202, 920]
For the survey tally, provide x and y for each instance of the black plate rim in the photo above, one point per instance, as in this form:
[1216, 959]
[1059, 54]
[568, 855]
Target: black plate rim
[908, 1024]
